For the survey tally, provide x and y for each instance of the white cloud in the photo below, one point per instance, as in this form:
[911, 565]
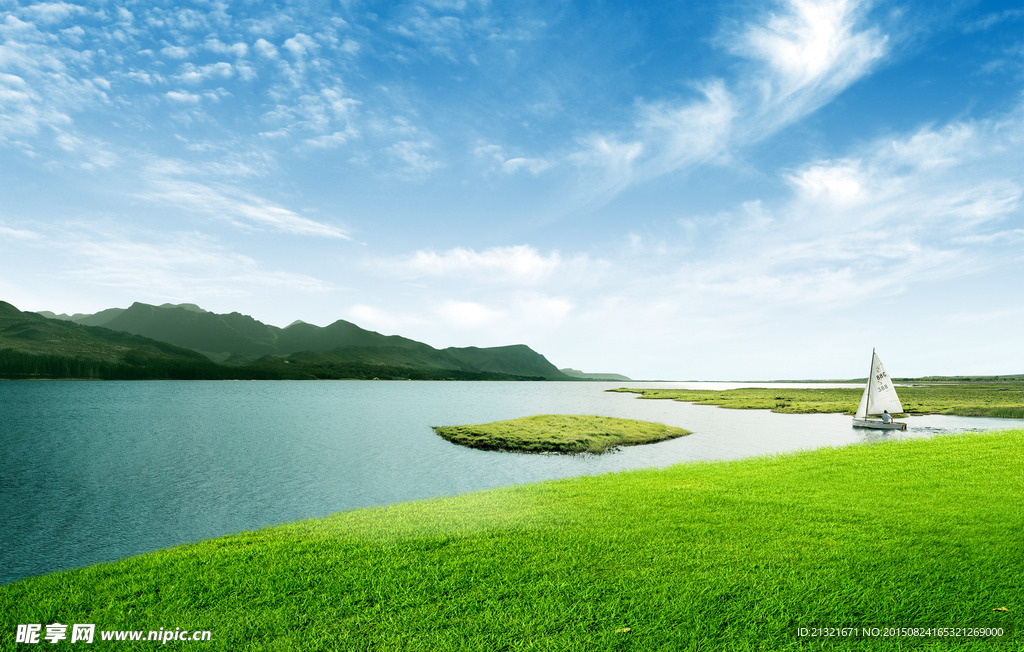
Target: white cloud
[469, 314]
[665, 137]
[932, 184]
[144, 77]
[506, 164]
[183, 97]
[18, 234]
[42, 84]
[300, 45]
[331, 140]
[532, 165]
[382, 320]
[930, 148]
[265, 48]
[228, 203]
[837, 184]
[488, 297]
[175, 52]
[53, 12]
[816, 46]
[415, 158]
[538, 309]
[192, 74]
[328, 115]
[520, 264]
[95, 152]
[614, 162]
[679, 136]
[217, 46]
[438, 34]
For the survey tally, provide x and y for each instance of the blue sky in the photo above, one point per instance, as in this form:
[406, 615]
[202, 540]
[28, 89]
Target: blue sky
[733, 190]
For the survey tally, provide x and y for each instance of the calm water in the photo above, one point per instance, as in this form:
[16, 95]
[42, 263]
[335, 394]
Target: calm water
[94, 471]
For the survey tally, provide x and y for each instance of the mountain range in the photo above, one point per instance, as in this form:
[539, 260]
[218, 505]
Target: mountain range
[185, 341]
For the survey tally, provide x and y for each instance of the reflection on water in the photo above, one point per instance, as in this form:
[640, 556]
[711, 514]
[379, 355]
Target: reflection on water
[94, 471]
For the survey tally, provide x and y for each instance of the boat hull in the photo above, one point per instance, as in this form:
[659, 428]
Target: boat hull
[877, 424]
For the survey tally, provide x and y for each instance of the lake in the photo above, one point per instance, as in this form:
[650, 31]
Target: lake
[95, 471]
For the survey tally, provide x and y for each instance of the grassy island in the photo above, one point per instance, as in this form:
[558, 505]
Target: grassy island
[1002, 399]
[741, 555]
[559, 433]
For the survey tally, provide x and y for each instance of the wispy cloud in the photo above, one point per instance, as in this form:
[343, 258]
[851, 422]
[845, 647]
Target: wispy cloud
[800, 58]
[324, 118]
[805, 56]
[414, 158]
[499, 160]
[229, 203]
[690, 133]
[42, 84]
[19, 234]
[445, 30]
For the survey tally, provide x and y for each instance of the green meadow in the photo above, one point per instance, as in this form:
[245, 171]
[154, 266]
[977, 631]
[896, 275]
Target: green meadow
[739, 555]
[559, 433]
[1004, 399]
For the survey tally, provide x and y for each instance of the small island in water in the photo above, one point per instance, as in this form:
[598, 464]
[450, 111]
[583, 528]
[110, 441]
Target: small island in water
[559, 433]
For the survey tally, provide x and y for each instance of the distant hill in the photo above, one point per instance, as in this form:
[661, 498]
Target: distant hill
[576, 373]
[301, 350]
[961, 379]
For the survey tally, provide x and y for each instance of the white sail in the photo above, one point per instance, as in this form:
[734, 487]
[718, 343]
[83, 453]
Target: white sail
[880, 394]
[862, 409]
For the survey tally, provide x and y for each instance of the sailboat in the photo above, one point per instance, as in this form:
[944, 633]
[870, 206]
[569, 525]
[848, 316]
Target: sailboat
[879, 396]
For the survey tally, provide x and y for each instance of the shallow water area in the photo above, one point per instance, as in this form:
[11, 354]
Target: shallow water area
[94, 471]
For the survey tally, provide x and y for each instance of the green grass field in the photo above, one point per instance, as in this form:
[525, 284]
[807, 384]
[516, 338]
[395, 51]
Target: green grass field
[559, 433]
[702, 556]
[964, 399]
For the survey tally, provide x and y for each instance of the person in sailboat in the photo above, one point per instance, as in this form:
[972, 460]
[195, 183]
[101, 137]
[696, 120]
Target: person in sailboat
[885, 417]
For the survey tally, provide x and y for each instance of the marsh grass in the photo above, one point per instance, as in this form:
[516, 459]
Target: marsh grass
[559, 433]
[702, 556]
[968, 399]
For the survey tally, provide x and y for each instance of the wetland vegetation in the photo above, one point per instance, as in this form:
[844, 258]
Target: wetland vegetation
[969, 399]
[559, 433]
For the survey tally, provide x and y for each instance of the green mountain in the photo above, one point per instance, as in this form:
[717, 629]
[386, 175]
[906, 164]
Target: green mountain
[339, 350]
[216, 336]
[33, 346]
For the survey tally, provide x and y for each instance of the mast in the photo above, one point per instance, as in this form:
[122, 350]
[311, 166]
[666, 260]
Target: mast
[871, 383]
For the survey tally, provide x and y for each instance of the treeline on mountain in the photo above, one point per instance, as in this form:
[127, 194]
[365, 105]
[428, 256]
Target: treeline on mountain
[130, 366]
[16, 365]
